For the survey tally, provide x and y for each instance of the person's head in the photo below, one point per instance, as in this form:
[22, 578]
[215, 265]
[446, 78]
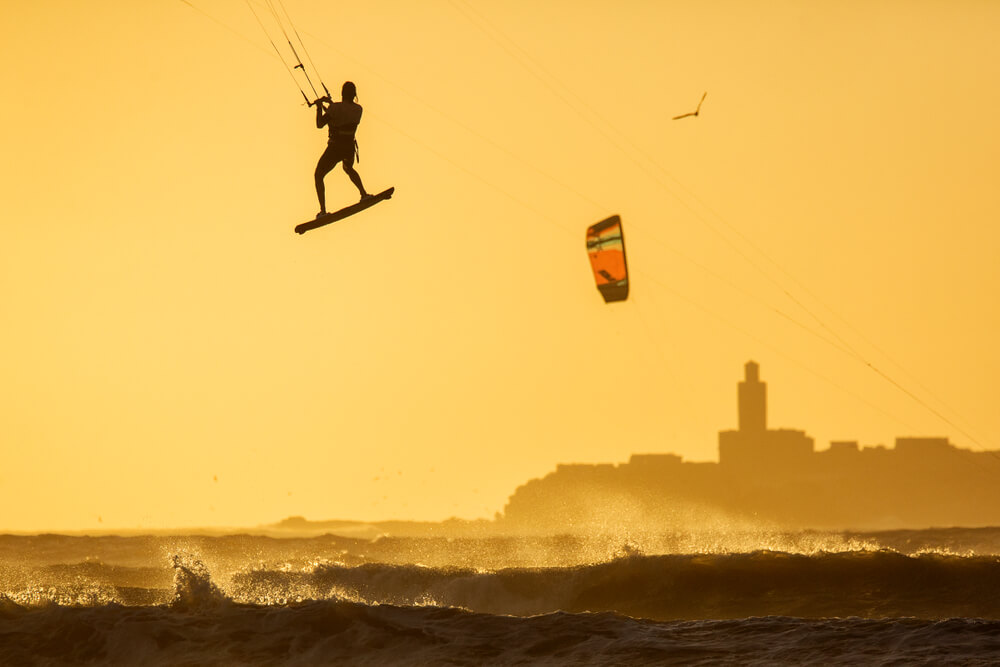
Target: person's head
[348, 91]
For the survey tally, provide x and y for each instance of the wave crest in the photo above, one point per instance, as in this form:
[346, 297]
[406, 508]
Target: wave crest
[873, 584]
[193, 585]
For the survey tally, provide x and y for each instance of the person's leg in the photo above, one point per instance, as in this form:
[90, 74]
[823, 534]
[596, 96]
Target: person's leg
[327, 161]
[353, 175]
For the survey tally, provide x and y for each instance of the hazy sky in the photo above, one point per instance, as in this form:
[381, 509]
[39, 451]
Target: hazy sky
[174, 355]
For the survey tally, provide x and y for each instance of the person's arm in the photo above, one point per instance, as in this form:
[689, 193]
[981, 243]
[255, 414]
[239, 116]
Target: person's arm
[321, 118]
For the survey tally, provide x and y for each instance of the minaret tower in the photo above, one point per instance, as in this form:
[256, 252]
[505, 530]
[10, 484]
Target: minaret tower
[752, 397]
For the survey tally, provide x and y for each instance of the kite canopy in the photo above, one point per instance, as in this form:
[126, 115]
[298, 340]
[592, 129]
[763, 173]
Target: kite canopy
[606, 249]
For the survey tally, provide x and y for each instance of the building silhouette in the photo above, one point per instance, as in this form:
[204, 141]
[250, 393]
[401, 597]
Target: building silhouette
[770, 476]
[755, 449]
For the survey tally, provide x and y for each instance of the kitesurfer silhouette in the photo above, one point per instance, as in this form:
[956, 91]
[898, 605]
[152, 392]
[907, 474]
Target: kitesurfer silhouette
[342, 119]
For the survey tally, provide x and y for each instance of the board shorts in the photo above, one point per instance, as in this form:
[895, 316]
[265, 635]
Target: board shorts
[338, 150]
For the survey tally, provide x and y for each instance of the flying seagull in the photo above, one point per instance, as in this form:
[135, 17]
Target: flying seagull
[695, 112]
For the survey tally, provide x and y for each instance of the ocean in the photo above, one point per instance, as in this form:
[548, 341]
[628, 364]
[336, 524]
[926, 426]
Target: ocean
[894, 597]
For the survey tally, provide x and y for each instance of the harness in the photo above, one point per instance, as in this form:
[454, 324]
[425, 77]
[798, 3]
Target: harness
[343, 134]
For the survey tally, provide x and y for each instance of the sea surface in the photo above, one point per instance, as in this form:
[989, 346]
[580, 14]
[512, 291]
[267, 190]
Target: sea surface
[892, 598]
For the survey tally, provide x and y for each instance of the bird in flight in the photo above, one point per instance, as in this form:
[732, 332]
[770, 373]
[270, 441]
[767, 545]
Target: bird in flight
[695, 112]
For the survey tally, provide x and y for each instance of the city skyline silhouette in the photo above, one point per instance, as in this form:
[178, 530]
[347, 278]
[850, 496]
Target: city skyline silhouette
[774, 476]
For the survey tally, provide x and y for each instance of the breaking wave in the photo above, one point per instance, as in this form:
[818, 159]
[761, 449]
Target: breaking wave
[874, 584]
[868, 583]
[252, 600]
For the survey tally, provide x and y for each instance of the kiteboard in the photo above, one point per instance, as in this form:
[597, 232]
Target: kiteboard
[327, 218]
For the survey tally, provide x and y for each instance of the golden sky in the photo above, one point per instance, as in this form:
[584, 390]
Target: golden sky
[174, 355]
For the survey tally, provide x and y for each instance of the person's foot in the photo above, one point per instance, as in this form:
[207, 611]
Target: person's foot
[366, 195]
[321, 214]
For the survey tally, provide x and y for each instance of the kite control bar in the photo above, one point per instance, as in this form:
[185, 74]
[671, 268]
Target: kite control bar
[326, 98]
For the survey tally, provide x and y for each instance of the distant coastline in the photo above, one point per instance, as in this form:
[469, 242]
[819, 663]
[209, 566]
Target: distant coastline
[766, 479]
[770, 477]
